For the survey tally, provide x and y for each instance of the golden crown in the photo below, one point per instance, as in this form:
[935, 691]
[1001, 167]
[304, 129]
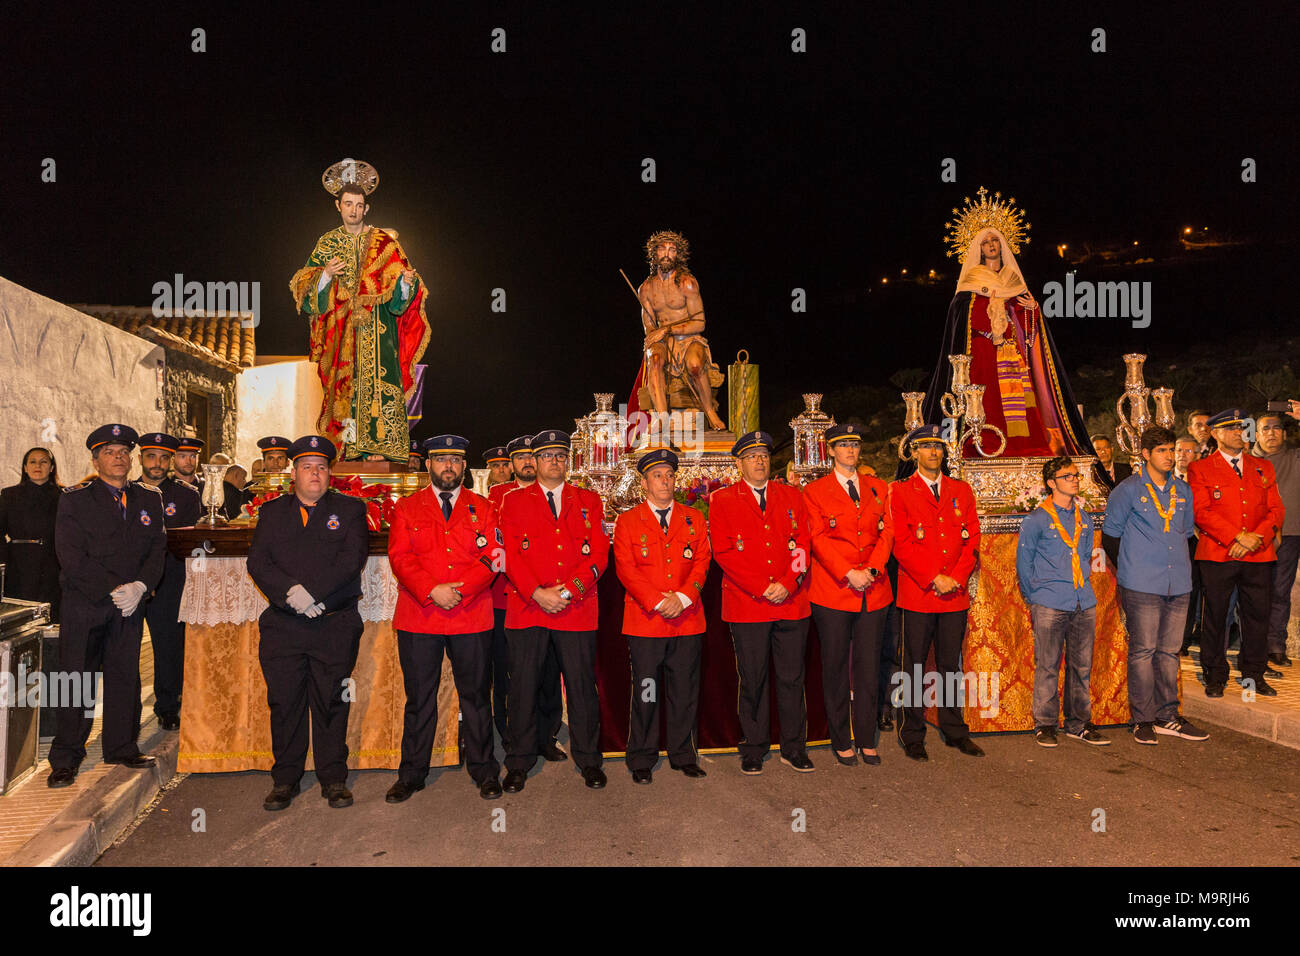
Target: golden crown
[973, 218]
[350, 172]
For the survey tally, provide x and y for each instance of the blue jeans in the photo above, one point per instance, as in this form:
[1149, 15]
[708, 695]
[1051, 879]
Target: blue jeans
[1155, 636]
[1288, 556]
[1074, 632]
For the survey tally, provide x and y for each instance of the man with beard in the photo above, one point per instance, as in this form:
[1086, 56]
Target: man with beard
[306, 557]
[550, 701]
[556, 550]
[415, 461]
[672, 314]
[181, 509]
[440, 547]
[185, 463]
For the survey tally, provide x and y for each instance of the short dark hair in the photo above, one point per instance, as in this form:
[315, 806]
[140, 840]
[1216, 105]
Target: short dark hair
[1278, 415]
[1196, 412]
[1099, 437]
[355, 190]
[1155, 436]
[1055, 465]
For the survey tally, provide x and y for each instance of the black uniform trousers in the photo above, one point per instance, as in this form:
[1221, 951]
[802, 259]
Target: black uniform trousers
[168, 638]
[786, 642]
[305, 662]
[421, 659]
[945, 631]
[550, 700]
[1192, 629]
[1254, 584]
[850, 644]
[576, 651]
[94, 638]
[671, 665]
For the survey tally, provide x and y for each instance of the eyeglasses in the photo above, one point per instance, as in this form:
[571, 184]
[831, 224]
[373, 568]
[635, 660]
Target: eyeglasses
[1063, 475]
[553, 456]
[446, 459]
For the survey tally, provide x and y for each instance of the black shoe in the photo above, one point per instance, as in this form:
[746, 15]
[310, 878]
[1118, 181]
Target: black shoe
[871, 760]
[594, 777]
[691, 770]
[751, 765]
[403, 790]
[1046, 737]
[916, 751]
[642, 776]
[169, 722]
[1272, 672]
[515, 780]
[1213, 690]
[490, 788]
[800, 763]
[967, 746]
[281, 796]
[552, 753]
[850, 761]
[886, 722]
[337, 794]
[1281, 660]
[1263, 690]
[63, 777]
[138, 762]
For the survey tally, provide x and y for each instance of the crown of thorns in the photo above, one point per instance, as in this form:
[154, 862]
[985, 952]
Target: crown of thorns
[667, 235]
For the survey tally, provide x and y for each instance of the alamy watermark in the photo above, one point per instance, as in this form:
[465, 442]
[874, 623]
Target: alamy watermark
[195, 298]
[1098, 300]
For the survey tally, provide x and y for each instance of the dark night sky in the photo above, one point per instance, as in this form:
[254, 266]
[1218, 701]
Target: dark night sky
[522, 171]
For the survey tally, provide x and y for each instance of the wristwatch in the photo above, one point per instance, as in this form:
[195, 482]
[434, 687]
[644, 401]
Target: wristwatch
[874, 572]
[566, 594]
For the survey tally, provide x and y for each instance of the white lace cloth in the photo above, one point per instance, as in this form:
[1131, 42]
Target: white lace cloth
[219, 591]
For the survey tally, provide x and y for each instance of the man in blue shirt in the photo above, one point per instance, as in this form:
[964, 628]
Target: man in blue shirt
[1053, 565]
[1148, 521]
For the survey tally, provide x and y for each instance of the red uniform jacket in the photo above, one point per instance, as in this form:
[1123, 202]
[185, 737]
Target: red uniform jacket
[426, 550]
[755, 548]
[848, 537]
[544, 552]
[501, 586]
[649, 562]
[1225, 505]
[928, 541]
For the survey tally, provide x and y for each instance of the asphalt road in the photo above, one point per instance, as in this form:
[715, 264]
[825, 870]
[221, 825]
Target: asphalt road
[1232, 800]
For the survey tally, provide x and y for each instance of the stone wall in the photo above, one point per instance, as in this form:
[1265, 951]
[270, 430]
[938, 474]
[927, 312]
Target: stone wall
[63, 374]
[185, 374]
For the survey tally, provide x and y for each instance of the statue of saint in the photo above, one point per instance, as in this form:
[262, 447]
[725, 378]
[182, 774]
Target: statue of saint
[995, 319]
[365, 305]
[678, 371]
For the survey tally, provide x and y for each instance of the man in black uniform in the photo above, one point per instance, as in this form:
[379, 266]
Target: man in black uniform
[306, 558]
[110, 540]
[180, 510]
[275, 454]
[414, 458]
[185, 463]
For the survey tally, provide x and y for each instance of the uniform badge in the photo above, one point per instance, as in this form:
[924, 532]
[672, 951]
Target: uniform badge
[832, 521]
[1217, 494]
[480, 541]
[500, 540]
[645, 553]
[790, 544]
[586, 547]
[117, 430]
[333, 523]
[473, 516]
[1144, 499]
[880, 525]
[740, 544]
[170, 509]
[957, 512]
[687, 553]
[965, 535]
[144, 517]
[523, 545]
[920, 533]
[587, 523]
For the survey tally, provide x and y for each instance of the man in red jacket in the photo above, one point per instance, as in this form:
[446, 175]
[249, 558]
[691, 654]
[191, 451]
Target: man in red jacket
[555, 550]
[759, 533]
[936, 542]
[440, 544]
[550, 701]
[1238, 513]
[661, 554]
[852, 533]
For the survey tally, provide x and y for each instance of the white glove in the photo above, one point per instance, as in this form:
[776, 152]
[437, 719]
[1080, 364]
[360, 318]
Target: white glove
[299, 599]
[316, 610]
[128, 597]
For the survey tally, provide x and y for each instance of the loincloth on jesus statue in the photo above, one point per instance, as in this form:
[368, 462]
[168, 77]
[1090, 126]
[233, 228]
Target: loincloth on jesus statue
[680, 394]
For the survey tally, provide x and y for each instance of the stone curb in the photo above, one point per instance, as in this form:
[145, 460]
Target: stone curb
[1262, 719]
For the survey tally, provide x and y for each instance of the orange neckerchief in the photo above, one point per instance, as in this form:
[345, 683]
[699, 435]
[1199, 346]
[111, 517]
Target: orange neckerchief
[1075, 569]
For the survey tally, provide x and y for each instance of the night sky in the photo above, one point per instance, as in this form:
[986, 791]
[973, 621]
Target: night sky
[522, 171]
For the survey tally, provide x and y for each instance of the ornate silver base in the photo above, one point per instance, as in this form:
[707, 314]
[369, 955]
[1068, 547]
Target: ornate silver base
[997, 482]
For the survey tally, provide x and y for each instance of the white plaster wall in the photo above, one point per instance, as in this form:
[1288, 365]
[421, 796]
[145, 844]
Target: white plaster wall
[62, 375]
[282, 398]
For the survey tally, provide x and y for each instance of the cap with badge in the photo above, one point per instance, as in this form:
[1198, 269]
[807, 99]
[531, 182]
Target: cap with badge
[1227, 418]
[192, 445]
[271, 442]
[496, 453]
[543, 441]
[924, 435]
[159, 442]
[312, 445]
[843, 433]
[660, 456]
[112, 435]
[446, 445]
[751, 440]
[415, 449]
[523, 445]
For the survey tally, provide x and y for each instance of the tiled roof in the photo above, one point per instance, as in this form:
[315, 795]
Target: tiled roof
[221, 339]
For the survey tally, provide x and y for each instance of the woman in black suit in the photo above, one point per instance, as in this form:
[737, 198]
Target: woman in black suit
[27, 512]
